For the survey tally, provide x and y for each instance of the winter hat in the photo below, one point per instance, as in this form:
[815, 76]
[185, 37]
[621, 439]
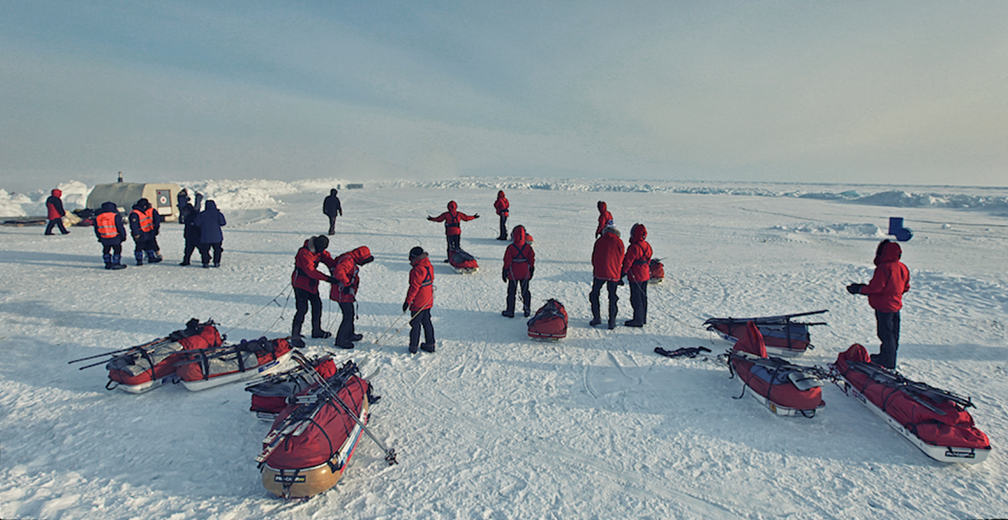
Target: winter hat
[415, 252]
[320, 242]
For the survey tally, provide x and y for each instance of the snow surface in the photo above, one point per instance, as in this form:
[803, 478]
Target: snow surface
[495, 425]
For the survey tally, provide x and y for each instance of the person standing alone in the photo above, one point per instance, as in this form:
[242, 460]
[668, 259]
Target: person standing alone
[420, 300]
[519, 266]
[331, 207]
[453, 226]
[885, 294]
[54, 208]
[502, 206]
[637, 269]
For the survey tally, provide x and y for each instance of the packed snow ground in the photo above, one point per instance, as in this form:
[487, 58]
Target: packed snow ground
[495, 425]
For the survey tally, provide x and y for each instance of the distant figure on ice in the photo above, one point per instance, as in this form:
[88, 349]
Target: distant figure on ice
[331, 207]
[182, 200]
[501, 205]
[419, 300]
[210, 221]
[607, 263]
[343, 289]
[604, 219]
[54, 207]
[637, 269]
[885, 295]
[519, 266]
[111, 233]
[191, 232]
[145, 224]
[453, 229]
[305, 279]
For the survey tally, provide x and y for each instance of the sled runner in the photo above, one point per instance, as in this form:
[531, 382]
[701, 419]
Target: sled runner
[232, 363]
[936, 421]
[313, 437]
[657, 271]
[781, 336]
[270, 396]
[145, 367]
[549, 322]
[780, 386]
[462, 262]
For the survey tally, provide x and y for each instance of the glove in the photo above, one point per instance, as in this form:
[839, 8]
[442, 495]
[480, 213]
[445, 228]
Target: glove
[503, 275]
[476, 215]
[531, 272]
[620, 282]
[346, 290]
[405, 306]
[331, 280]
[430, 217]
[855, 288]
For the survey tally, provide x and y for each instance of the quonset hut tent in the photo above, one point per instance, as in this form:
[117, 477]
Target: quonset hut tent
[162, 197]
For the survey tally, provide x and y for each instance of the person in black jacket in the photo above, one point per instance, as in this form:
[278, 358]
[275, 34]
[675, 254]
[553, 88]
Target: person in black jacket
[191, 232]
[209, 221]
[331, 207]
[54, 208]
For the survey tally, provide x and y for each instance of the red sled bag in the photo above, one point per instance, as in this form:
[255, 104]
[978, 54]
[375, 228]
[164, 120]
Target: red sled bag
[145, 367]
[549, 322]
[227, 364]
[270, 397]
[780, 386]
[462, 261]
[657, 271]
[936, 421]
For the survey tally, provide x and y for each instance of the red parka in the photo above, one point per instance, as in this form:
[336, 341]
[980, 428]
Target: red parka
[519, 258]
[890, 281]
[637, 262]
[306, 274]
[451, 219]
[501, 204]
[347, 274]
[54, 206]
[420, 294]
[607, 257]
[604, 219]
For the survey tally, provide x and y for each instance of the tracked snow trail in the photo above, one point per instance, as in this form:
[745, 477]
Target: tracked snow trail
[494, 425]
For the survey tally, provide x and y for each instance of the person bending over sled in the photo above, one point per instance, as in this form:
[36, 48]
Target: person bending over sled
[637, 269]
[502, 207]
[305, 279]
[346, 275]
[519, 266]
[885, 295]
[419, 300]
[607, 263]
[111, 233]
[452, 222]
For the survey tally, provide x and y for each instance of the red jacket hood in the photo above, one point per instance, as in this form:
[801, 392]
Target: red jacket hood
[888, 252]
[361, 255]
[518, 236]
[452, 206]
[57, 192]
[638, 233]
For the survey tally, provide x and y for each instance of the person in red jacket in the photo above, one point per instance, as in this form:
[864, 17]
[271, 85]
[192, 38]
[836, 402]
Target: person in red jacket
[54, 208]
[604, 219]
[607, 263]
[343, 289]
[885, 294]
[501, 205]
[305, 279]
[452, 221]
[519, 266]
[637, 269]
[419, 300]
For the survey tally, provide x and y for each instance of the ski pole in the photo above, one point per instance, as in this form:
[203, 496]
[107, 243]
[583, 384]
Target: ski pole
[153, 343]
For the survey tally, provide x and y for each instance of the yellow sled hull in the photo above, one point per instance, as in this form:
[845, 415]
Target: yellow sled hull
[308, 482]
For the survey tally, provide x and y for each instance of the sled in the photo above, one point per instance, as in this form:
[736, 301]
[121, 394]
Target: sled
[781, 387]
[233, 363]
[782, 336]
[313, 438]
[463, 262]
[549, 322]
[657, 271]
[270, 396]
[148, 366]
[933, 420]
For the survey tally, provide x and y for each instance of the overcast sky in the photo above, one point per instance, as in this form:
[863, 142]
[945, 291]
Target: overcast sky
[866, 92]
